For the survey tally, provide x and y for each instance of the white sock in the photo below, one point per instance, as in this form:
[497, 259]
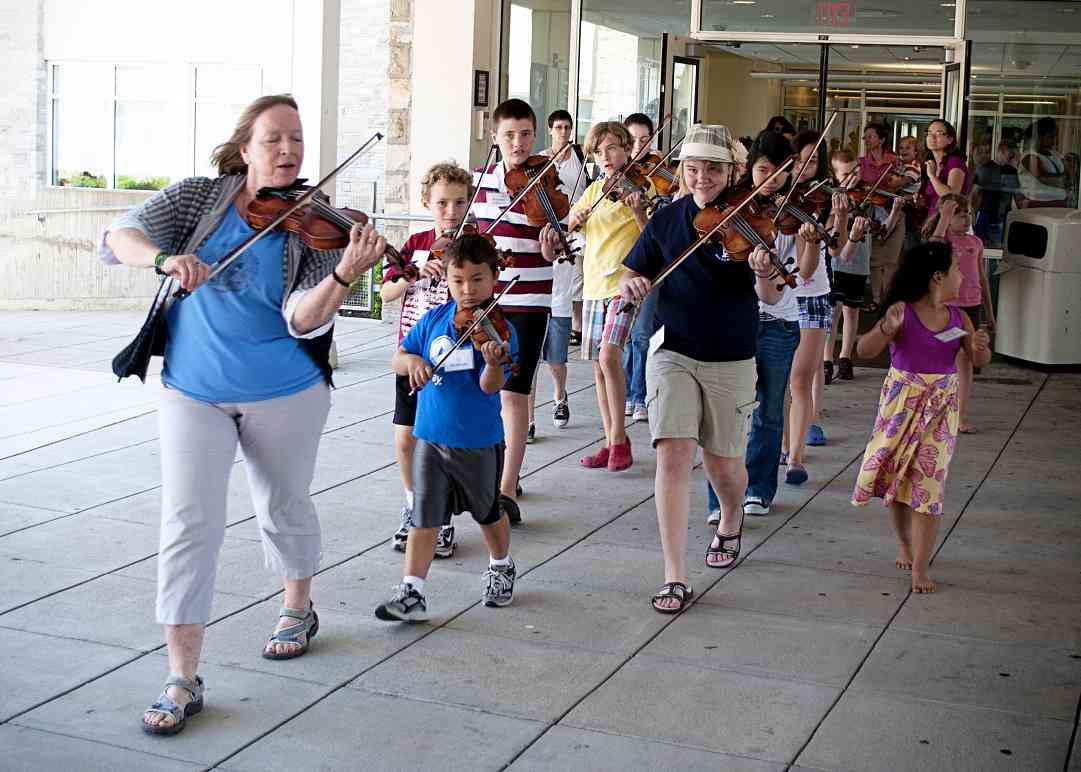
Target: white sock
[409, 499]
[501, 562]
[416, 581]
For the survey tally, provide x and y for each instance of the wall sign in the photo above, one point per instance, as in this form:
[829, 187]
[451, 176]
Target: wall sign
[830, 14]
[480, 88]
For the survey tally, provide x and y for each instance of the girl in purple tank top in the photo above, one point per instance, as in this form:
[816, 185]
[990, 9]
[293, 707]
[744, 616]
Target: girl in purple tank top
[915, 432]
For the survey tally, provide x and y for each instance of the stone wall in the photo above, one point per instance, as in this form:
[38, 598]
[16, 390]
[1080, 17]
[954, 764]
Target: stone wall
[22, 101]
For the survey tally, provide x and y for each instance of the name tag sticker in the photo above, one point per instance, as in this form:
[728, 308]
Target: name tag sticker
[462, 359]
[953, 333]
[656, 340]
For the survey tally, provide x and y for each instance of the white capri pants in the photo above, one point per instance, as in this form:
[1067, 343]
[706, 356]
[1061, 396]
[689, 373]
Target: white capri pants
[279, 439]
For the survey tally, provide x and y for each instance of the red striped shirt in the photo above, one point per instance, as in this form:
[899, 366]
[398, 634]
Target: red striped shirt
[423, 295]
[533, 292]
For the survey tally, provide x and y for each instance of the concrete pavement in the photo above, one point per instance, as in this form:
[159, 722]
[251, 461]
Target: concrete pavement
[810, 654]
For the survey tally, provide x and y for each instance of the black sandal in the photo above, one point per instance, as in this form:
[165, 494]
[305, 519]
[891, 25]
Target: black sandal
[722, 547]
[510, 507]
[677, 590]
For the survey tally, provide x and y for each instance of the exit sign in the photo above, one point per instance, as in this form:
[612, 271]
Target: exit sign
[829, 14]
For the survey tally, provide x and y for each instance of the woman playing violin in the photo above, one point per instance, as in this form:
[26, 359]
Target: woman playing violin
[701, 373]
[245, 362]
[886, 247]
[611, 229]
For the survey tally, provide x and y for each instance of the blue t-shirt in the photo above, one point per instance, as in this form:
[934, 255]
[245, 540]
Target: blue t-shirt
[452, 409]
[708, 305]
[228, 341]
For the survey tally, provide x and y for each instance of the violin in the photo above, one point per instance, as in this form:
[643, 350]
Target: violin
[660, 171]
[752, 227]
[805, 205]
[545, 203]
[630, 182]
[439, 246]
[318, 224]
[493, 327]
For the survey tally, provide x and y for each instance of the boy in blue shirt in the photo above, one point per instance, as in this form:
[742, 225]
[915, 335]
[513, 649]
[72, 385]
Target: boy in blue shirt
[458, 460]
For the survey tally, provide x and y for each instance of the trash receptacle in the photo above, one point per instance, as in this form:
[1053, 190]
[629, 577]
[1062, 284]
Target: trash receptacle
[1039, 296]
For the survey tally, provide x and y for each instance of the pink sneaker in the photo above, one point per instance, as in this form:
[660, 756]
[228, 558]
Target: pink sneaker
[597, 460]
[620, 457]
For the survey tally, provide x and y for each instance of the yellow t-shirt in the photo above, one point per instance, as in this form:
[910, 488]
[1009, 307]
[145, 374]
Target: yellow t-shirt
[610, 233]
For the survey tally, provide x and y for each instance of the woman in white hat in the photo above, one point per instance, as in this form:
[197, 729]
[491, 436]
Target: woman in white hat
[700, 376]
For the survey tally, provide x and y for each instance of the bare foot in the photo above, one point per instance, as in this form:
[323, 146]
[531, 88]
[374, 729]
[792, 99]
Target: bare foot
[904, 557]
[966, 429]
[921, 582]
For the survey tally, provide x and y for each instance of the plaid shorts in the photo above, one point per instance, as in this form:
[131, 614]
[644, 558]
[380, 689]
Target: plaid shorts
[602, 323]
[816, 313]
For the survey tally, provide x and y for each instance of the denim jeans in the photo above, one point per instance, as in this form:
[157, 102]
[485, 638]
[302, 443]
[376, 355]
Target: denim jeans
[777, 343]
[634, 358]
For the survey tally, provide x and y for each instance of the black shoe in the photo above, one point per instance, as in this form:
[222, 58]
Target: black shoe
[827, 368]
[499, 585]
[406, 605]
[844, 369]
[531, 434]
[444, 542]
[510, 506]
[518, 492]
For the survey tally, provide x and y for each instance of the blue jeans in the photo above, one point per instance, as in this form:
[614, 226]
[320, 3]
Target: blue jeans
[634, 358]
[777, 343]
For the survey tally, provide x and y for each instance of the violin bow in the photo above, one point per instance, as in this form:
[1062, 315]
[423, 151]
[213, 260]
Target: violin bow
[476, 191]
[469, 331]
[224, 263]
[528, 187]
[706, 236]
[803, 166]
[610, 185]
[665, 157]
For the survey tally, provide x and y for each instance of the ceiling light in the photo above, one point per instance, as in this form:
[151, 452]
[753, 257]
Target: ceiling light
[744, 2]
[854, 45]
[767, 16]
[948, 5]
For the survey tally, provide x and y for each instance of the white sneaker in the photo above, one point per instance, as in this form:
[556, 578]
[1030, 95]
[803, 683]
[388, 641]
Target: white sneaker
[753, 505]
[628, 409]
[714, 517]
[640, 413]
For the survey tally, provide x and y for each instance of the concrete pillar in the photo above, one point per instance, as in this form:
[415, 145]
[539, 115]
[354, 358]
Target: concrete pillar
[22, 101]
[316, 25]
[450, 41]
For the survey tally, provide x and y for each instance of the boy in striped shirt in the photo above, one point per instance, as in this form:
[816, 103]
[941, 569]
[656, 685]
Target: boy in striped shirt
[528, 304]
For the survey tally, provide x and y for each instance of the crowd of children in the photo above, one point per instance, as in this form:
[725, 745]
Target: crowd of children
[721, 357]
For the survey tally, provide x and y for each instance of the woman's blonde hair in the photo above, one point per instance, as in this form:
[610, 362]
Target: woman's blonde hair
[599, 131]
[448, 171]
[932, 221]
[226, 156]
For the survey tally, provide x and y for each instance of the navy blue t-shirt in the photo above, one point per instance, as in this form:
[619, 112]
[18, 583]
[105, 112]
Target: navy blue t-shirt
[708, 305]
[452, 409]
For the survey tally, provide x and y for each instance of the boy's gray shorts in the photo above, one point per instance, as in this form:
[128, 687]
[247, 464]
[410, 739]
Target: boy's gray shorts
[455, 480]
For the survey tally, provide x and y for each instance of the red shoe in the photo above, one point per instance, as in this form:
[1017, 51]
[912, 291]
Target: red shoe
[596, 461]
[620, 457]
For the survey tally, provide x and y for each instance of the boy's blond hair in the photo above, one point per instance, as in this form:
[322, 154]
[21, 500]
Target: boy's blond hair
[599, 131]
[448, 171]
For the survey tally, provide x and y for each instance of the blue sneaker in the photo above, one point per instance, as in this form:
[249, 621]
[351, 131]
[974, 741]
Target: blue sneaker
[815, 435]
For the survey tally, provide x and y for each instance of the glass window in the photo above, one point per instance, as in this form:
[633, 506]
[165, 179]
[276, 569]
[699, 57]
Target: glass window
[917, 17]
[142, 126]
[537, 50]
[620, 59]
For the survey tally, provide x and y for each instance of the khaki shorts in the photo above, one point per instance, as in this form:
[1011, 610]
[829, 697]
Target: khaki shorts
[710, 402]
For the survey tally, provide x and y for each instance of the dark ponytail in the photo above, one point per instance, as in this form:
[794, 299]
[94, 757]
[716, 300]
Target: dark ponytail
[918, 267]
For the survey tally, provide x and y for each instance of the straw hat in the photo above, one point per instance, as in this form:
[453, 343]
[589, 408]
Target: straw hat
[708, 142]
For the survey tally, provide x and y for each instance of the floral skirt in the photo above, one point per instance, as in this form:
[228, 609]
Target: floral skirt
[913, 441]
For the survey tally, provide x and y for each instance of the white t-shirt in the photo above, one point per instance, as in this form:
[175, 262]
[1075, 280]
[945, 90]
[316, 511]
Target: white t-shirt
[787, 308]
[563, 274]
[819, 283]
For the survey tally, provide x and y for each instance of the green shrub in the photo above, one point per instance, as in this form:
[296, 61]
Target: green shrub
[124, 182]
[86, 181]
